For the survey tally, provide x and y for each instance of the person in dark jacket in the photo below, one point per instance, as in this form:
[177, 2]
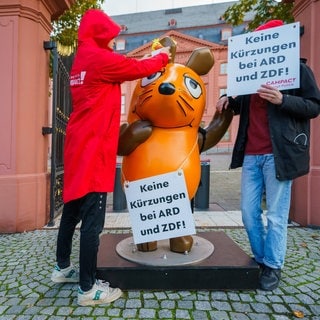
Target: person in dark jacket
[91, 148]
[272, 147]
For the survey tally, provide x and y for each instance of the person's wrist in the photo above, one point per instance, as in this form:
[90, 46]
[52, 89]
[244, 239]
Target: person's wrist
[281, 98]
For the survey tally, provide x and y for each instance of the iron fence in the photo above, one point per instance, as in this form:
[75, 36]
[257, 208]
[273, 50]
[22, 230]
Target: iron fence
[61, 109]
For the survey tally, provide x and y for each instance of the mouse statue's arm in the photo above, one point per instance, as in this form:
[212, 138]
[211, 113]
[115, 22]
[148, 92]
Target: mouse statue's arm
[132, 135]
[201, 61]
[213, 133]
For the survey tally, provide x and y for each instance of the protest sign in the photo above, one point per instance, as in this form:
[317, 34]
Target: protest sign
[159, 207]
[269, 56]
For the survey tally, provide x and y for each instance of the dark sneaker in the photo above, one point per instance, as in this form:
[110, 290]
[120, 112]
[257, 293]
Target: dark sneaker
[270, 278]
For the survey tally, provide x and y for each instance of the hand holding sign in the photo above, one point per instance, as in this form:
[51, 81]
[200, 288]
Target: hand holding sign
[271, 94]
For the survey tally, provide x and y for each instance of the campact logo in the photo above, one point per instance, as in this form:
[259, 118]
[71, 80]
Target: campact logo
[77, 79]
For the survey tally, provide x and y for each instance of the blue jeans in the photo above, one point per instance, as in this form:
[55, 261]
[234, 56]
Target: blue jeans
[268, 243]
[89, 209]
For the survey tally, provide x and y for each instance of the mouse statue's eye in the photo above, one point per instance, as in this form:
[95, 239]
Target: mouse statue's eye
[193, 86]
[153, 77]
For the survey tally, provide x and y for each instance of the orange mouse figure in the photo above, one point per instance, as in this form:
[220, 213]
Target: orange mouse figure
[162, 134]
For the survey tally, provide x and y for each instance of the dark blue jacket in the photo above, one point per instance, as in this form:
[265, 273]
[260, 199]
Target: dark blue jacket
[289, 125]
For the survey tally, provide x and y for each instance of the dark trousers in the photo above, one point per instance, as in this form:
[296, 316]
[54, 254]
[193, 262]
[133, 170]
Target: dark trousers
[90, 210]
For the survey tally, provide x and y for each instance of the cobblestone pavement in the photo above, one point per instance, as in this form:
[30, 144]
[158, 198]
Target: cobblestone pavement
[27, 259]
[26, 291]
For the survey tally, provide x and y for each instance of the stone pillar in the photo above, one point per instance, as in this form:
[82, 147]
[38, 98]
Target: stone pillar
[24, 89]
[305, 207]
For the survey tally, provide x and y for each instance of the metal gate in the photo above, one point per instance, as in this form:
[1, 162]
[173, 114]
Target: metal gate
[61, 109]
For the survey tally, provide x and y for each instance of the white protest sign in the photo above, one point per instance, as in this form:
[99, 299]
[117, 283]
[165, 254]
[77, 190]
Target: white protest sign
[159, 207]
[268, 56]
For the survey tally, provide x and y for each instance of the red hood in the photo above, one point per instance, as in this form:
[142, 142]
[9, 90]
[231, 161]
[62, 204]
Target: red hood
[99, 27]
[270, 24]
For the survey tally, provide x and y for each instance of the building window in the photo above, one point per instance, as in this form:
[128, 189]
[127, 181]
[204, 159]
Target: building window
[222, 91]
[120, 44]
[172, 23]
[123, 104]
[223, 68]
[173, 11]
[226, 137]
[226, 33]
[123, 27]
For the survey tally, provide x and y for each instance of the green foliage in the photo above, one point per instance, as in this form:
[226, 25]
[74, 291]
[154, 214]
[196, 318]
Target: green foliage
[64, 29]
[264, 10]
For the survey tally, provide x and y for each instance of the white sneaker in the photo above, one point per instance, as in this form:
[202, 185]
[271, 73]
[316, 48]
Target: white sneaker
[100, 293]
[69, 274]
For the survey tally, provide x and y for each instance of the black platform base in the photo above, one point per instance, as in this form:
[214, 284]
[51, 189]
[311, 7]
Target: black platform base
[229, 267]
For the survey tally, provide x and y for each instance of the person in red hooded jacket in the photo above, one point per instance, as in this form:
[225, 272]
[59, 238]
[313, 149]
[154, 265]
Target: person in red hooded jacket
[272, 147]
[91, 146]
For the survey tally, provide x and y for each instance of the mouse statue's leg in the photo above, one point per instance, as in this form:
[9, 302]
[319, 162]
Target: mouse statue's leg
[181, 244]
[147, 246]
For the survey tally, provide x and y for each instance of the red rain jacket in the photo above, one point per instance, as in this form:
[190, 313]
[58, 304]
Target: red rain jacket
[93, 128]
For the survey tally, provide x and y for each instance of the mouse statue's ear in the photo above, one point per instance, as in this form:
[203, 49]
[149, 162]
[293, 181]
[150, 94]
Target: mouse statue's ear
[201, 61]
[169, 42]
